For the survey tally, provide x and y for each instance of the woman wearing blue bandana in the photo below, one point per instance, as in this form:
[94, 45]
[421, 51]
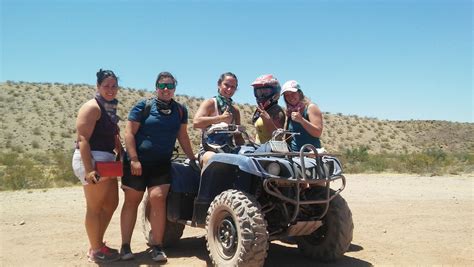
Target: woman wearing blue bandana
[219, 109]
[97, 133]
[150, 140]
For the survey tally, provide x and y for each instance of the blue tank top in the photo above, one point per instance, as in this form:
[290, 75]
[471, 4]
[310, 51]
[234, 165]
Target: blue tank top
[103, 136]
[304, 137]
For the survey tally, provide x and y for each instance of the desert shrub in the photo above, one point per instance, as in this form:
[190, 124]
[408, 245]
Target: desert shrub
[37, 131]
[23, 174]
[35, 144]
[62, 171]
[8, 158]
[359, 154]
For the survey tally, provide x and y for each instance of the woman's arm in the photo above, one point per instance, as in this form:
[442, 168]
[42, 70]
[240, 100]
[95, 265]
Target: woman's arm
[87, 117]
[131, 129]
[202, 118]
[185, 143]
[314, 126]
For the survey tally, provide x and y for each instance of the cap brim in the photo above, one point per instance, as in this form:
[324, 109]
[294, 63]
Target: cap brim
[289, 90]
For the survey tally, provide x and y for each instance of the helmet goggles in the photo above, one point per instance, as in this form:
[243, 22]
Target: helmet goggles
[264, 92]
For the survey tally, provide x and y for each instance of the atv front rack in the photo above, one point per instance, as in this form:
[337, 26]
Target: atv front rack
[324, 179]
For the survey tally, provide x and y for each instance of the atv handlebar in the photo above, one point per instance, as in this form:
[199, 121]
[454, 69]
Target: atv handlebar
[280, 131]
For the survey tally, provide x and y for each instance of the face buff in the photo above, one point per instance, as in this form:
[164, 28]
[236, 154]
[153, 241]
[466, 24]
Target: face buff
[109, 106]
[163, 106]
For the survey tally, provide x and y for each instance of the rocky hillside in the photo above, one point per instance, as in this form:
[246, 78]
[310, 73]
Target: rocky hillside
[41, 116]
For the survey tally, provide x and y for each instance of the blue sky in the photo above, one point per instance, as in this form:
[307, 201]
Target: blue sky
[396, 60]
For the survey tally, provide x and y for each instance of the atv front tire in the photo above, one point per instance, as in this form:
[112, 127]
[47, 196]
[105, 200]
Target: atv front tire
[329, 242]
[236, 230]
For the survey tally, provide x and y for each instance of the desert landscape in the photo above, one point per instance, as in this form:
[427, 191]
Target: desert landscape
[419, 212]
[398, 220]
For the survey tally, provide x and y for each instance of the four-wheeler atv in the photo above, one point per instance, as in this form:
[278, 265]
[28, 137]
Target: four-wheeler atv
[259, 194]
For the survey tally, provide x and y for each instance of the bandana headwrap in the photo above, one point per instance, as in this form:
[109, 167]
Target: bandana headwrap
[297, 108]
[223, 103]
[110, 107]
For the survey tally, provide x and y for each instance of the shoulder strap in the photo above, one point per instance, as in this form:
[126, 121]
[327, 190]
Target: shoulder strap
[180, 111]
[146, 109]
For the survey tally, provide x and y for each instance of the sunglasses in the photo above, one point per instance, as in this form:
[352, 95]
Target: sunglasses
[162, 86]
[263, 92]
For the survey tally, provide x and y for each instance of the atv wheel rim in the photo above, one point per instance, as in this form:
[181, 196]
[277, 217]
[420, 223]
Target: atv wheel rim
[227, 237]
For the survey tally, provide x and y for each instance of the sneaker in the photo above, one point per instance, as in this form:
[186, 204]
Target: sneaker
[126, 252]
[157, 254]
[112, 250]
[103, 255]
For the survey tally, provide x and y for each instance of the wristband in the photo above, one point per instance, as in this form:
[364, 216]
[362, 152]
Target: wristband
[135, 158]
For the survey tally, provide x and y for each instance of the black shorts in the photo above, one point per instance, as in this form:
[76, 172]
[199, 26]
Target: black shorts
[152, 175]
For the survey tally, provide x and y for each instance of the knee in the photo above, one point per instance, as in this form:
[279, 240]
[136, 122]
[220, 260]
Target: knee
[132, 201]
[206, 157]
[157, 197]
[93, 209]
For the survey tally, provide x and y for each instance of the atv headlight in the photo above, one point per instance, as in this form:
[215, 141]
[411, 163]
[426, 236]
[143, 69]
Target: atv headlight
[274, 168]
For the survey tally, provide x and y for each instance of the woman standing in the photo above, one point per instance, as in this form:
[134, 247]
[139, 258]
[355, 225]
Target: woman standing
[150, 137]
[304, 117]
[97, 133]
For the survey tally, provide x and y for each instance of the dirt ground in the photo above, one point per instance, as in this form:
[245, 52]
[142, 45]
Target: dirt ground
[398, 220]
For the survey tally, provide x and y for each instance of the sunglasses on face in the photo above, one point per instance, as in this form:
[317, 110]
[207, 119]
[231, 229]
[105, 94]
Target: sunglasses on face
[263, 92]
[162, 86]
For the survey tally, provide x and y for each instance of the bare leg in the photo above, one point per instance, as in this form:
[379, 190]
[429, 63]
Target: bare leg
[205, 158]
[96, 195]
[128, 216]
[110, 205]
[157, 195]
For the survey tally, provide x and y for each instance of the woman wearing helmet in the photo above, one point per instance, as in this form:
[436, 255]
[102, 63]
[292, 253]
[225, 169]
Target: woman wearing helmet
[268, 116]
[304, 117]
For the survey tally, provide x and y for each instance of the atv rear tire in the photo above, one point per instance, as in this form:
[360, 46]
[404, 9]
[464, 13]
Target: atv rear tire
[329, 242]
[236, 230]
[173, 231]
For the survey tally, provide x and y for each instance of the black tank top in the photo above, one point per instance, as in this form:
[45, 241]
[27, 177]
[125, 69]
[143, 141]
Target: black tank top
[103, 136]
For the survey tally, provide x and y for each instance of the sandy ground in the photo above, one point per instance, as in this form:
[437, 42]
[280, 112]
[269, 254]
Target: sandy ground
[398, 219]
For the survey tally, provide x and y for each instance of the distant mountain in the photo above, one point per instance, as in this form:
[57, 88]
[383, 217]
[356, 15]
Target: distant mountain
[41, 116]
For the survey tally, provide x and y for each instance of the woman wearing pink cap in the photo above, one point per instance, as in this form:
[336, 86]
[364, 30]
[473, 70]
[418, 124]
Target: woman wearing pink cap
[303, 117]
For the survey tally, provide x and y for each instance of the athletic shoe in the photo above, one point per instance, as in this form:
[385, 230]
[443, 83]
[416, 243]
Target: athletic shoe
[157, 254]
[112, 250]
[126, 252]
[103, 255]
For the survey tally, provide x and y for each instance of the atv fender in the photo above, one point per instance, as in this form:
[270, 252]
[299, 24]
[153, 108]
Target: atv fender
[223, 172]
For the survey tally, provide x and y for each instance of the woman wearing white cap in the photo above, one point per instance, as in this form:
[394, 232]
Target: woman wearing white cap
[303, 117]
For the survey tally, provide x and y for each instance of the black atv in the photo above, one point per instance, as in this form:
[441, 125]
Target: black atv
[259, 194]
